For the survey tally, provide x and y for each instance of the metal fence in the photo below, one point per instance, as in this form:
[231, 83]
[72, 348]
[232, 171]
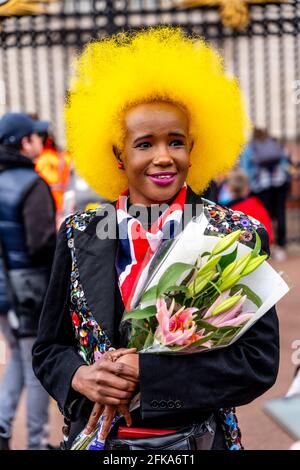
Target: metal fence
[37, 53]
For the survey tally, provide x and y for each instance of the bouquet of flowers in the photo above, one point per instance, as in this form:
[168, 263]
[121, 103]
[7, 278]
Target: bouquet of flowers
[201, 291]
[208, 302]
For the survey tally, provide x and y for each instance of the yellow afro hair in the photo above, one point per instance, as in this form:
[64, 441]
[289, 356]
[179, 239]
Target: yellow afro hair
[157, 64]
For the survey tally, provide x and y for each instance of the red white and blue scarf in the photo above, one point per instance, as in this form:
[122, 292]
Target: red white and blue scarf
[137, 245]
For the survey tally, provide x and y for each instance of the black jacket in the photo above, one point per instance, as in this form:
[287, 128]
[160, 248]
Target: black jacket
[200, 383]
[27, 236]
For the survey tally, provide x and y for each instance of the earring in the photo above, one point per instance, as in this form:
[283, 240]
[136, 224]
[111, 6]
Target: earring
[120, 165]
[190, 165]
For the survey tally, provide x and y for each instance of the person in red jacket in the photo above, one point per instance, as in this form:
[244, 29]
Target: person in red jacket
[245, 202]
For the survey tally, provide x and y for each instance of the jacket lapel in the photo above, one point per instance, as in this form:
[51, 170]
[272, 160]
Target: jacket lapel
[193, 206]
[96, 264]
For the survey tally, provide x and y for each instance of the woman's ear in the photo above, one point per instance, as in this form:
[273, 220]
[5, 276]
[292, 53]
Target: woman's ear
[118, 155]
[117, 152]
[191, 146]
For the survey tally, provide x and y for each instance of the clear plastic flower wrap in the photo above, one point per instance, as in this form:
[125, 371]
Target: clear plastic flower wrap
[203, 291]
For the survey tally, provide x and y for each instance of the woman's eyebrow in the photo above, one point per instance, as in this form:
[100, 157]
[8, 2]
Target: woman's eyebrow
[177, 134]
[147, 136]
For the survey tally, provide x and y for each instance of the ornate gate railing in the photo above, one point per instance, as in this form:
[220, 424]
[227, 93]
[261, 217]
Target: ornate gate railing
[37, 53]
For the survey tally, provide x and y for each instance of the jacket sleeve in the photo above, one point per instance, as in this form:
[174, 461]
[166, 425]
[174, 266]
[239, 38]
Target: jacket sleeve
[55, 358]
[40, 237]
[227, 377]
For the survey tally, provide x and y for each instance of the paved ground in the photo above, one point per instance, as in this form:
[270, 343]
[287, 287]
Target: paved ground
[259, 432]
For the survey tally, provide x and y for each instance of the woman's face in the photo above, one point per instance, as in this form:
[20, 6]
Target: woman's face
[156, 152]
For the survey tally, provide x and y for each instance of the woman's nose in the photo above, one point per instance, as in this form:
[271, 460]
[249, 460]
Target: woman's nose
[162, 157]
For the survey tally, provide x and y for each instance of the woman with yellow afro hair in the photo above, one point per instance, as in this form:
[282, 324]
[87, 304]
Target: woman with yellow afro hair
[160, 64]
[151, 118]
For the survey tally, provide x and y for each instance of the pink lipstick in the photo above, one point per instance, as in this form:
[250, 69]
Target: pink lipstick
[162, 178]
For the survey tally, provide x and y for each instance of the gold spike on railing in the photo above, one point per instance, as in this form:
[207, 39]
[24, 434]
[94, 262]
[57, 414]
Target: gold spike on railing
[24, 7]
[234, 13]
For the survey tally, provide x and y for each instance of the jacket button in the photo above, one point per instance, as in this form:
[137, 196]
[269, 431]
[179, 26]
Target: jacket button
[163, 404]
[178, 404]
[154, 404]
[171, 404]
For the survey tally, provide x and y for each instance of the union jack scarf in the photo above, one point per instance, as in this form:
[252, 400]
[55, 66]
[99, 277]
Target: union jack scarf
[137, 246]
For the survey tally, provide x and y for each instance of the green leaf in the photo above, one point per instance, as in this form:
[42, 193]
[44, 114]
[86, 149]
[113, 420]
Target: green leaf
[150, 294]
[206, 253]
[141, 314]
[248, 292]
[224, 329]
[137, 336]
[227, 259]
[226, 336]
[257, 247]
[193, 345]
[173, 289]
[149, 340]
[204, 324]
[171, 276]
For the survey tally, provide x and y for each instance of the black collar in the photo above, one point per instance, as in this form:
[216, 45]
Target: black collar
[11, 158]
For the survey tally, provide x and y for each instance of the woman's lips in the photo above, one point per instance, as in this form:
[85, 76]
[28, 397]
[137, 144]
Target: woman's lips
[162, 179]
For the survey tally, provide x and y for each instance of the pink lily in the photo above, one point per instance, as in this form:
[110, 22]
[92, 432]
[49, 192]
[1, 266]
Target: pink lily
[178, 329]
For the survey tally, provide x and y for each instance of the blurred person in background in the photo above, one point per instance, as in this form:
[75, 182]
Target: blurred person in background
[28, 238]
[242, 200]
[54, 166]
[267, 167]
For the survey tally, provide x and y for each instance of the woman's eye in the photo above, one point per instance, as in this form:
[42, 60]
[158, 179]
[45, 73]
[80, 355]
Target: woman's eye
[143, 145]
[177, 143]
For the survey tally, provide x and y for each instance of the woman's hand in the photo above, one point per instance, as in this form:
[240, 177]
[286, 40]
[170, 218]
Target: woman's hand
[109, 411]
[108, 381]
[130, 359]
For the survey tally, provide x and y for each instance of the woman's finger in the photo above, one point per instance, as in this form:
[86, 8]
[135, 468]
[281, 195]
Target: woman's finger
[117, 368]
[113, 392]
[114, 355]
[124, 410]
[108, 416]
[94, 418]
[122, 352]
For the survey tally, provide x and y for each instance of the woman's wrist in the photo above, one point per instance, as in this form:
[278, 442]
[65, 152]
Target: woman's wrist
[76, 382]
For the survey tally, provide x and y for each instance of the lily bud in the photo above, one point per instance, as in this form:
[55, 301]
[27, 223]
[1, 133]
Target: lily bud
[227, 304]
[254, 264]
[241, 263]
[208, 266]
[198, 284]
[229, 282]
[226, 242]
[228, 270]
